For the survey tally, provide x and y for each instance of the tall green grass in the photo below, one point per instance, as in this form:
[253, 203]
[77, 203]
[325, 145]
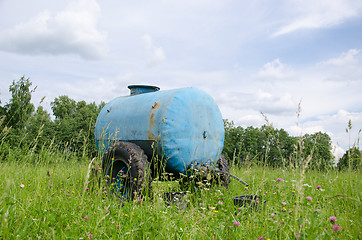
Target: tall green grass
[51, 201]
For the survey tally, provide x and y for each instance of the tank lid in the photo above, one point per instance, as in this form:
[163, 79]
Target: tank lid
[139, 89]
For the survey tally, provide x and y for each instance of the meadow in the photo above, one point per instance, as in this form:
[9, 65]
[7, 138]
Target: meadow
[54, 200]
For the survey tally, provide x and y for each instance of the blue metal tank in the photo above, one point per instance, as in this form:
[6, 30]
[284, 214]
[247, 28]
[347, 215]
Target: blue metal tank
[183, 126]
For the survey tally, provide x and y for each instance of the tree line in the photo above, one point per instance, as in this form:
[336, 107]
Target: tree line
[275, 147]
[72, 132]
[24, 127]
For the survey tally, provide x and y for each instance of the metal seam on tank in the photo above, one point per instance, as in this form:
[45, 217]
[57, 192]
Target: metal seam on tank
[152, 121]
[164, 114]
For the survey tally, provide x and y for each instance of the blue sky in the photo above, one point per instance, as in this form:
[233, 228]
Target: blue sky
[251, 56]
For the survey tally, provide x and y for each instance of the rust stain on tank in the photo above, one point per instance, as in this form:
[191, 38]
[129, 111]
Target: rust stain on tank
[152, 122]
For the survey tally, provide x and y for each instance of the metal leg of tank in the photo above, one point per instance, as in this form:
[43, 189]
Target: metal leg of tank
[223, 166]
[128, 170]
[207, 175]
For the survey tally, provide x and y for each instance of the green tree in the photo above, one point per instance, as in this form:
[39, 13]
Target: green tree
[74, 124]
[19, 109]
[278, 146]
[319, 147]
[2, 111]
[63, 107]
[40, 130]
[351, 159]
[232, 139]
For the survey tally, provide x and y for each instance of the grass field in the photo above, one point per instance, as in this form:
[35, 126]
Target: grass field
[52, 201]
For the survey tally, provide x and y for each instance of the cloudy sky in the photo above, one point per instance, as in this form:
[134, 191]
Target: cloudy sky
[251, 56]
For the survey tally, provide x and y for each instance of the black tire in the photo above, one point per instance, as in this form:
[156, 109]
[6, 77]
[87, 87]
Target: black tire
[223, 166]
[127, 169]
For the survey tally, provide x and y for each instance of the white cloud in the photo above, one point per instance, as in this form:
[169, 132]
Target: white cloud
[155, 54]
[346, 67]
[275, 70]
[72, 31]
[274, 103]
[345, 60]
[334, 125]
[319, 14]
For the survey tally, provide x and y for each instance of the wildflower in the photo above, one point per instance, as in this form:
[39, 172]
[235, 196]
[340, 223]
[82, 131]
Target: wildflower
[22, 186]
[90, 236]
[79, 207]
[86, 218]
[319, 187]
[215, 211]
[140, 200]
[202, 204]
[309, 198]
[333, 219]
[272, 215]
[67, 195]
[290, 211]
[246, 188]
[297, 235]
[87, 189]
[51, 185]
[220, 203]
[279, 179]
[260, 238]
[108, 212]
[336, 228]
[284, 203]
[236, 223]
